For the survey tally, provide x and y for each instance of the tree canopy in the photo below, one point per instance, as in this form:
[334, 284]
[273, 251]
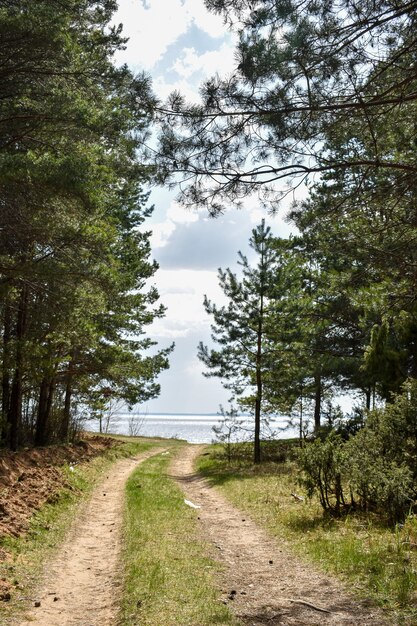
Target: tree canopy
[304, 70]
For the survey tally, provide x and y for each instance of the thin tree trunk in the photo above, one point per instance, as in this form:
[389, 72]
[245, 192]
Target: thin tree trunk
[51, 392]
[40, 434]
[338, 494]
[258, 402]
[5, 398]
[46, 394]
[317, 401]
[257, 440]
[368, 395]
[66, 417]
[15, 407]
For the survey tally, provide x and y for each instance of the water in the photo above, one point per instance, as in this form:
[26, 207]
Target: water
[194, 428]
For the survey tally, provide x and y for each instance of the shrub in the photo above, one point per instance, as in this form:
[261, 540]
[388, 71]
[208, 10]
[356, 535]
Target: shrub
[322, 464]
[380, 482]
[376, 467]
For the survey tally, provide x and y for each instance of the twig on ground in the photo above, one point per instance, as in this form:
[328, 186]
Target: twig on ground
[311, 606]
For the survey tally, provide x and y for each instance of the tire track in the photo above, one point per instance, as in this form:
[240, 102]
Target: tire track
[261, 580]
[81, 584]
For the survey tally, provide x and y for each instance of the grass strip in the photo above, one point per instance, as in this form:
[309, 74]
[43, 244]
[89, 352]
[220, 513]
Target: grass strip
[169, 579]
[378, 562]
[27, 554]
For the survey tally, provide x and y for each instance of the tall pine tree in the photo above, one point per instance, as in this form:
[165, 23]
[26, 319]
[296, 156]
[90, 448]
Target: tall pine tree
[243, 359]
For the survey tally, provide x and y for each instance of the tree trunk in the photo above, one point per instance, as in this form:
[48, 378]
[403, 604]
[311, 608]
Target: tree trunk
[66, 417]
[257, 440]
[40, 435]
[368, 395]
[258, 401]
[5, 398]
[338, 494]
[317, 401]
[46, 394]
[15, 406]
[51, 392]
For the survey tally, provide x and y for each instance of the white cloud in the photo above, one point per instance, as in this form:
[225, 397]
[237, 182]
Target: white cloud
[180, 215]
[219, 61]
[169, 330]
[182, 292]
[210, 23]
[164, 88]
[151, 28]
[178, 290]
[154, 25]
[195, 369]
[201, 243]
[161, 232]
[175, 214]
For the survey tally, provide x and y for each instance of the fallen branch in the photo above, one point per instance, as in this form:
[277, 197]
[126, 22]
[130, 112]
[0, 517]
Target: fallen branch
[311, 606]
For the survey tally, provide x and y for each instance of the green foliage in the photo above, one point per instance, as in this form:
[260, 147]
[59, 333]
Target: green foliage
[323, 94]
[321, 463]
[379, 482]
[244, 356]
[375, 469]
[74, 260]
[303, 72]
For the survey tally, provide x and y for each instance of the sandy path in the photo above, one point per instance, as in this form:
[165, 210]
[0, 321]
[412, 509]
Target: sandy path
[261, 580]
[80, 586]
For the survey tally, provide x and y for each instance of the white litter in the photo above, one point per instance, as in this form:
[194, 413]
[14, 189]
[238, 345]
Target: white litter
[71, 468]
[298, 498]
[192, 505]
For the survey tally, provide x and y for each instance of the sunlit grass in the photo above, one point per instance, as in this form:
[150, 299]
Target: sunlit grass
[378, 562]
[169, 578]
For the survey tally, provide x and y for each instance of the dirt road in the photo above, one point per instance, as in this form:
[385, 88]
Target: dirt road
[261, 580]
[81, 584]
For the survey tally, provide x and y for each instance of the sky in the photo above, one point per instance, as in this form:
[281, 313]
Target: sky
[180, 44]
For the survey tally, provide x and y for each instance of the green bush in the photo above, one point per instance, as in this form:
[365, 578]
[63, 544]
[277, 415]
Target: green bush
[322, 463]
[379, 481]
[375, 469]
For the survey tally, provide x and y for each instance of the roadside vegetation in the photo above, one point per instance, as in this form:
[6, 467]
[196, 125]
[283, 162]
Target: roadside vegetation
[21, 558]
[378, 560]
[74, 254]
[169, 579]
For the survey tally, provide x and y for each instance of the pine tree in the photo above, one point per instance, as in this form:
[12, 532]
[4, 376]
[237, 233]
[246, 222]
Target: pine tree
[303, 70]
[74, 257]
[239, 329]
